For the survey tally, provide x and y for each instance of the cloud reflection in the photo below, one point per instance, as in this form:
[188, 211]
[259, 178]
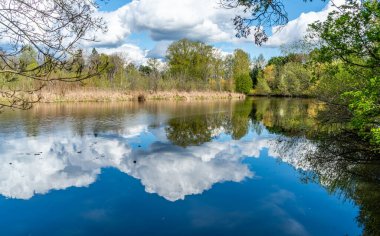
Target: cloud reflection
[30, 166]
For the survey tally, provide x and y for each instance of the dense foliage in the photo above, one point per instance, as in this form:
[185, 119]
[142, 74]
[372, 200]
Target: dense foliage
[243, 83]
[341, 68]
[188, 66]
[351, 38]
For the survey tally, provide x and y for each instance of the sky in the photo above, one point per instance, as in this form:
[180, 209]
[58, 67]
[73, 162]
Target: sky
[139, 29]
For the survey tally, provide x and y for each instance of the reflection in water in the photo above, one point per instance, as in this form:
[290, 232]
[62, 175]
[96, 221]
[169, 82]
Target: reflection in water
[177, 150]
[170, 171]
[331, 156]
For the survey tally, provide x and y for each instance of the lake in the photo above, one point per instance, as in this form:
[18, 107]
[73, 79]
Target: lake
[255, 167]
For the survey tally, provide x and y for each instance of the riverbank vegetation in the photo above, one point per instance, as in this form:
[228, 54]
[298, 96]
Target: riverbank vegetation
[339, 63]
[190, 67]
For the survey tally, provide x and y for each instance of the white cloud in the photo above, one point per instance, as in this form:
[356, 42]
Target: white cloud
[159, 50]
[130, 52]
[169, 20]
[201, 20]
[296, 29]
[118, 28]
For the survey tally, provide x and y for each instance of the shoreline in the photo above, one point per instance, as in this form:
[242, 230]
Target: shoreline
[102, 95]
[279, 96]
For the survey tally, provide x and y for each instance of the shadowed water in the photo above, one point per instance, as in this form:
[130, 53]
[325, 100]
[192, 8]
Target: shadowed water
[255, 167]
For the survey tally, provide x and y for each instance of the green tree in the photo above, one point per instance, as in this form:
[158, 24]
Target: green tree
[28, 59]
[243, 84]
[262, 87]
[94, 60]
[258, 64]
[190, 60]
[351, 36]
[241, 63]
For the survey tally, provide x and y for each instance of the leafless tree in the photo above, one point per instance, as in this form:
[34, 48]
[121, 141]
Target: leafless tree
[51, 28]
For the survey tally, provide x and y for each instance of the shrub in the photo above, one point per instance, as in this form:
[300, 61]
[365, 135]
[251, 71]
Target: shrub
[262, 87]
[243, 83]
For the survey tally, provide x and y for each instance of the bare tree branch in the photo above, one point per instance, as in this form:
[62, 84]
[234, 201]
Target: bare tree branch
[52, 28]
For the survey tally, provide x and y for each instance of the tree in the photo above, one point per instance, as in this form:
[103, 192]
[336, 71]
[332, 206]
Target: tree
[229, 72]
[351, 37]
[241, 64]
[27, 58]
[94, 60]
[154, 64]
[262, 87]
[243, 84]
[52, 28]
[190, 60]
[258, 65]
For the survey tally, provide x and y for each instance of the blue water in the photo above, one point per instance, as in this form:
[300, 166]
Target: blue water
[79, 173]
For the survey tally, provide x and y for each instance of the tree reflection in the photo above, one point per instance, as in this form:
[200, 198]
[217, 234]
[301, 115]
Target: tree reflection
[187, 131]
[344, 165]
[198, 129]
[309, 137]
[319, 143]
[240, 119]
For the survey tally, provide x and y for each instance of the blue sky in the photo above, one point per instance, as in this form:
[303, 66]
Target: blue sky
[144, 28]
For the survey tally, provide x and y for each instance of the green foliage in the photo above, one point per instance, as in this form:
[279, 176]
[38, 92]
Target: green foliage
[190, 60]
[262, 87]
[241, 63]
[28, 59]
[189, 131]
[365, 106]
[294, 80]
[289, 79]
[350, 43]
[351, 34]
[282, 60]
[243, 84]
[334, 80]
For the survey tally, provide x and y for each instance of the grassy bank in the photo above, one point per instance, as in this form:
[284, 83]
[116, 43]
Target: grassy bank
[108, 95]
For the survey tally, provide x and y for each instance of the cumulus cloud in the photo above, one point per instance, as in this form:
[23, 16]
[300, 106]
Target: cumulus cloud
[296, 29]
[168, 20]
[118, 28]
[130, 52]
[201, 20]
[159, 50]
[164, 21]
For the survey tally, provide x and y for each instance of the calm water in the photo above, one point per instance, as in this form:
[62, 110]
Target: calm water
[254, 167]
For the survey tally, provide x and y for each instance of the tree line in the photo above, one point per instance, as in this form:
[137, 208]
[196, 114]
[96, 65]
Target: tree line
[189, 66]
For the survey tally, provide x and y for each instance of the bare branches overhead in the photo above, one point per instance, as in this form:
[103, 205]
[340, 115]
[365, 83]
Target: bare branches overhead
[39, 37]
[256, 16]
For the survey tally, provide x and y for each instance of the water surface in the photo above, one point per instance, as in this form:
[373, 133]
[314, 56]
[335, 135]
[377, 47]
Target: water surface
[255, 167]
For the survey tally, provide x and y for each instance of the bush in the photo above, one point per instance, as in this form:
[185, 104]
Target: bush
[262, 87]
[243, 84]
